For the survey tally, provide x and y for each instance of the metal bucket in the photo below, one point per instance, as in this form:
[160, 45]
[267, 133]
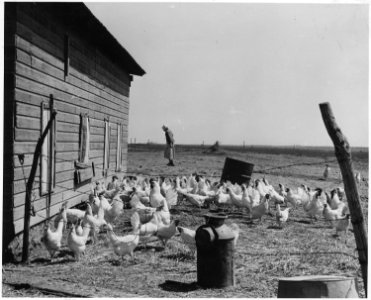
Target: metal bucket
[237, 171]
[215, 249]
[317, 286]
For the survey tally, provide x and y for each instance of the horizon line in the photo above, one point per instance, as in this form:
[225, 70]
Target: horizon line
[242, 145]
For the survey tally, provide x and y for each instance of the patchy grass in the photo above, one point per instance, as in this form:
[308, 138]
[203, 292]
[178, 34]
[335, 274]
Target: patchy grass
[264, 252]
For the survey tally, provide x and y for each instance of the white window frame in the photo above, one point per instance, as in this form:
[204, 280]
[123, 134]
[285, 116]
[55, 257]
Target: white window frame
[119, 148]
[106, 156]
[45, 159]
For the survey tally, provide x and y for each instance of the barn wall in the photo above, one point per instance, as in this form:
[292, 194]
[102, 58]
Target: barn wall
[93, 85]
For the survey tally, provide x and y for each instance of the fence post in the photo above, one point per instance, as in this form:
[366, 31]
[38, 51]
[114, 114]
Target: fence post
[27, 205]
[343, 155]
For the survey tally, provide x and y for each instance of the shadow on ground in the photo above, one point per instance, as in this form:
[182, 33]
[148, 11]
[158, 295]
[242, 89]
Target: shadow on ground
[180, 287]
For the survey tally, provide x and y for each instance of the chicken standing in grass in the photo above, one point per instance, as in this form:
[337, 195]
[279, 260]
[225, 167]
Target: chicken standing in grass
[125, 245]
[53, 239]
[342, 224]
[314, 206]
[73, 215]
[188, 237]
[292, 198]
[76, 242]
[282, 215]
[166, 232]
[331, 215]
[94, 222]
[158, 200]
[236, 231]
[79, 229]
[358, 177]
[257, 212]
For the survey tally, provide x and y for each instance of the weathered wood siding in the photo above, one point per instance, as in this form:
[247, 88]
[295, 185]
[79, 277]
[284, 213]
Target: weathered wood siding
[94, 85]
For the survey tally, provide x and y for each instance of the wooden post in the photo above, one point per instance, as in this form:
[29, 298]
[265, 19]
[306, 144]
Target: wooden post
[343, 155]
[51, 160]
[27, 206]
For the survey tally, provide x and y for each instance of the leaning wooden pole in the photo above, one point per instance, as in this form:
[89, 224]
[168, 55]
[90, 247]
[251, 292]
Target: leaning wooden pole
[343, 155]
[27, 205]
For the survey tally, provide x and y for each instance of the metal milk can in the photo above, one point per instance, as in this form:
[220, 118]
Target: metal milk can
[215, 249]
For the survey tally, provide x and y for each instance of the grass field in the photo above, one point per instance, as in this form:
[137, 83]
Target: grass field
[263, 254]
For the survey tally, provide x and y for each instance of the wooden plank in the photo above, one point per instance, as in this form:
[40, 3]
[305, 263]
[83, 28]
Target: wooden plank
[49, 69]
[67, 137]
[64, 181]
[24, 147]
[28, 123]
[18, 225]
[67, 146]
[33, 23]
[39, 65]
[95, 138]
[57, 199]
[67, 127]
[27, 98]
[45, 44]
[43, 55]
[35, 51]
[80, 97]
[28, 110]
[24, 135]
[34, 93]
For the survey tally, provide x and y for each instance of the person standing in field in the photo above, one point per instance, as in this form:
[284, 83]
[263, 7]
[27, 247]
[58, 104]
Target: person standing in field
[169, 150]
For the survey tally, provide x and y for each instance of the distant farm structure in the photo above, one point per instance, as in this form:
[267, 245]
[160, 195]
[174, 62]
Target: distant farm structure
[59, 57]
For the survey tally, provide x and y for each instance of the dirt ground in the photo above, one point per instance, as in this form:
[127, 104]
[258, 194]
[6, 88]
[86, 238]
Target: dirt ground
[264, 252]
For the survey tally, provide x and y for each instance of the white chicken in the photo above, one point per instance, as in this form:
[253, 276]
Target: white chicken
[188, 237]
[282, 190]
[76, 242]
[223, 198]
[236, 199]
[125, 245]
[282, 215]
[53, 239]
[73, 215]
[332, 214]
[166, 231]
[115, 210]
[94, 222]
[157, 199]
[358, 177]
[179, 188]
[292, 198]
[257, 212]
[197, 200]
[314, 207]
[342, 224]
[236, 231]
[79, 229]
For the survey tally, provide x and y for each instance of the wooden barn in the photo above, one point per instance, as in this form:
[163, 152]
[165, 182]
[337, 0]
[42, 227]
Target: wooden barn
[59, 57]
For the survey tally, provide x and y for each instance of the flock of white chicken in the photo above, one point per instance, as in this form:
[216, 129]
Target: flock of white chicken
[150, 201]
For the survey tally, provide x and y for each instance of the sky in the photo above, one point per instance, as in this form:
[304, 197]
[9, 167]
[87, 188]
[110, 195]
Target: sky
[244, 72]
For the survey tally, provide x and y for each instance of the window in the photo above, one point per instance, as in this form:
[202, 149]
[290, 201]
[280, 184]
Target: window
[47, 168]
[107, 132]
[119, 142]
